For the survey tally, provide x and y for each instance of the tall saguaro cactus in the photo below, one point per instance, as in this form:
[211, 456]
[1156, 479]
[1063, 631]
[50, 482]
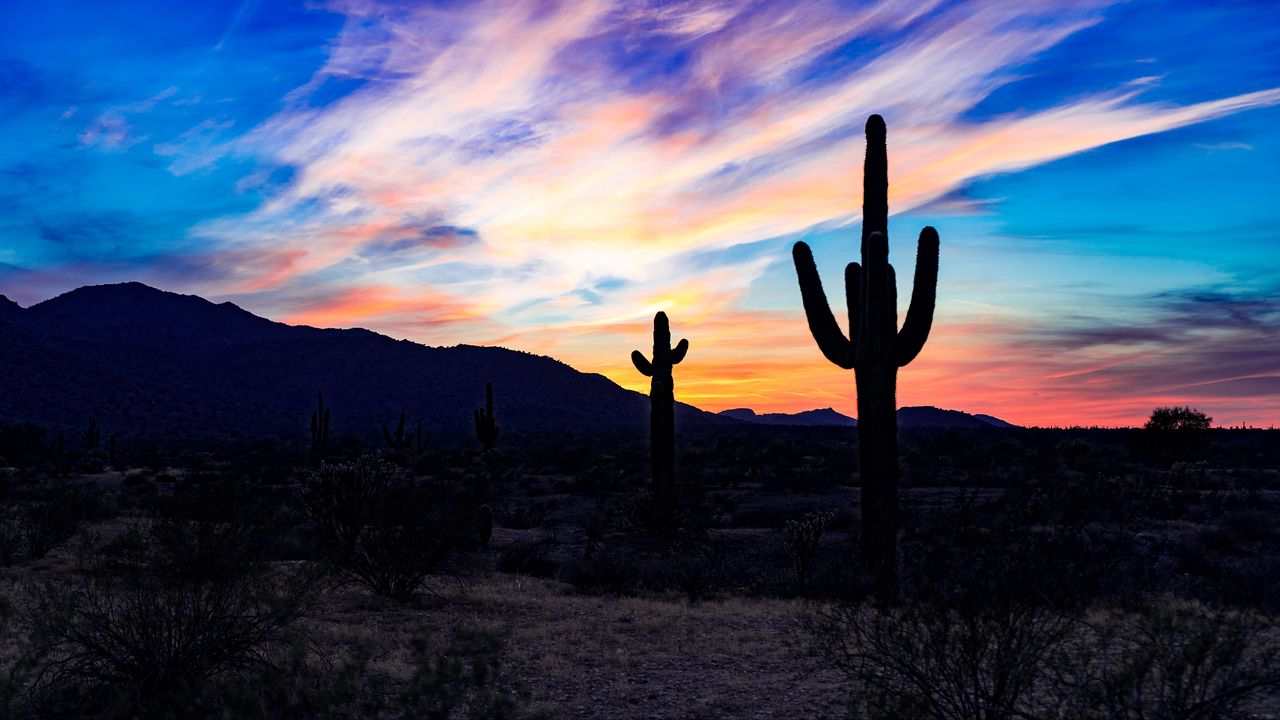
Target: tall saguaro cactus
[486, 428]
[662, 414]
[874, 349]
[320, 428]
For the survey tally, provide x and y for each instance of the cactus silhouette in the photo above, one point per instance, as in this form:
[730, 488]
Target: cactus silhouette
[486, 428]
[874, 349]
[662, 417]
[399, 442]
[91, 435]
[320, 428]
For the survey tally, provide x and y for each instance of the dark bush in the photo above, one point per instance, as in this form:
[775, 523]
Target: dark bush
[801, 539]
[383, 530]
[44, 515]
[1171, 659]
[172, 608]
[926, 660]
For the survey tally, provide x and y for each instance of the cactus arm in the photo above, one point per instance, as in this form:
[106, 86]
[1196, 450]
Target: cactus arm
[678, 353]
[642, 363]
[386, 434]
[915, 329]
[822, 322]
[853, 295]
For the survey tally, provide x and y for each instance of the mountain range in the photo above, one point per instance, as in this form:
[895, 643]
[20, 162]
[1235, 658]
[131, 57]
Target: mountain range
[908, 417]
[149, 363]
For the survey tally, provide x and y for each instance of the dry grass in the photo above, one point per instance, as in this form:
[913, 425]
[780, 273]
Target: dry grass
[573, 656]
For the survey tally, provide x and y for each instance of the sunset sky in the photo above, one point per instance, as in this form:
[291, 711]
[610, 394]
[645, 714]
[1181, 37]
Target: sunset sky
[1105, 178]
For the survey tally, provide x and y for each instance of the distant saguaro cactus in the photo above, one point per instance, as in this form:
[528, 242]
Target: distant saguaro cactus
[399, 442]
[486, 428]
[662, 417]
[874, 349]
[320, 428]
[92, 435]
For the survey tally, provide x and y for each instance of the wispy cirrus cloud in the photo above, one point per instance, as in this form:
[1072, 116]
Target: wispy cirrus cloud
[590, 139]
[547, 175]
[500, 118]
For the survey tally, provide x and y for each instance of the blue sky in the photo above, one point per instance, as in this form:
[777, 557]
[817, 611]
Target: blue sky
[546, 176]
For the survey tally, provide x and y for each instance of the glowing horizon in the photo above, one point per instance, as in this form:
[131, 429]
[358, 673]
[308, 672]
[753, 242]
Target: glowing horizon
[547, 176]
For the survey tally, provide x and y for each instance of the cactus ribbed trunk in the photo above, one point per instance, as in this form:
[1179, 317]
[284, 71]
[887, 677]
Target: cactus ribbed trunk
[320, 428]
[662, 412]
[487, 428]
[878, 473]
[874, 349]
[662, 439]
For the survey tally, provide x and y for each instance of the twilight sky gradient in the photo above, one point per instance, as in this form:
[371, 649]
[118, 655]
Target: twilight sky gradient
[546, 176]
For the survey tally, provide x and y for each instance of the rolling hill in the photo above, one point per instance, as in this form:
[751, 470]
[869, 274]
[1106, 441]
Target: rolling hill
[149, 363]
[908, 417]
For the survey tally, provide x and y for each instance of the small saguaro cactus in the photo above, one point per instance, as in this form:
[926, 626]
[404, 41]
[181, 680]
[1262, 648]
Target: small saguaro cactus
[320, 428]
[486, 428]
[91, 435]
[662, 416]
[874, 349]
[399, 441]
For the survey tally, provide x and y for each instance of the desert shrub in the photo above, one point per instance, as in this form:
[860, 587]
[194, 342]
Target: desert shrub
[381, 529]
[168, 611]
[801, 539]
[527, 559]
[1170, 660]
[527, 515]
[1073, 452]
[1189, 474]
[601, 573]
[695, 569]
[22, 444]
[460, 680]
[44, 516]
[929, 660]
[457, 679]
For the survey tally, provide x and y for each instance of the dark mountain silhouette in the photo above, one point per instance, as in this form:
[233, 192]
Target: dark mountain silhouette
[155, 364]
[823, 416]
[8, 308]
[929, 416]
[992, 420]
[908, 417]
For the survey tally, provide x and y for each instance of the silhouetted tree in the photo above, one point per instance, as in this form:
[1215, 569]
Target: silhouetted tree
[1174, 433]
[874, 349]
[1174, 419]
[662, 417]
[486, 428]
